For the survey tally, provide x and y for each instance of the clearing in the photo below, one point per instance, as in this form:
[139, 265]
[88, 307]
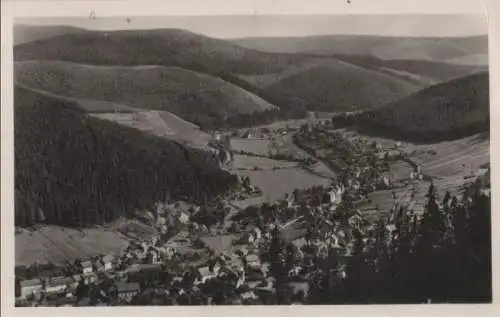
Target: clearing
[161, 123]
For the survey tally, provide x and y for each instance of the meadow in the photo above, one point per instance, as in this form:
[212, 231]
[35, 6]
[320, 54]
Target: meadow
[57, 244]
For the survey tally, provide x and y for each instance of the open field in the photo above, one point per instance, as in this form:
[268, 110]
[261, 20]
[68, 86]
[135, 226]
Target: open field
[440, 160]
[399, 171]
[255, 146]
[449, 164]
[262, 147]
[161, 123]
[275, 184]
[460, 157]
[56, 244]
[244, 162]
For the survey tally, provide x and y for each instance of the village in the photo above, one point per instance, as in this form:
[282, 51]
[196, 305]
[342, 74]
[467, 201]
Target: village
[220, 253]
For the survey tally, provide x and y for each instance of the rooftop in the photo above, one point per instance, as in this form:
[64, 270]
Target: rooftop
[32, 282]
[127, 287]
[252, 257]
[205, 271]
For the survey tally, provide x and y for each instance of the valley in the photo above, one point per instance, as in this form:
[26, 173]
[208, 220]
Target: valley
[239, 171]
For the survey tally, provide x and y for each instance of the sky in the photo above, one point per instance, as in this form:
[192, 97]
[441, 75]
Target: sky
[225, 27]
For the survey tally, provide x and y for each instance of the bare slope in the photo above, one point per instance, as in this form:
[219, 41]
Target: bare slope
[196, 97]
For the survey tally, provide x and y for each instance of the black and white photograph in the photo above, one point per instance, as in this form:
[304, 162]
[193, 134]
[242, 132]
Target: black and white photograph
[331, 159]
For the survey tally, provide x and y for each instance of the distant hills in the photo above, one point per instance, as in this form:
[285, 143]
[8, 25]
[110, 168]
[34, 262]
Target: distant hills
[28, 33]
[165, 47]
[333, 85]
[77, 171]
[298, 81]
[420, 72]
[210, 81]
[382, 47]
[447, 111]
[196, 97]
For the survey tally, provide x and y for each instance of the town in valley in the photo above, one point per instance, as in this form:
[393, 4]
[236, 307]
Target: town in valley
[159, 167]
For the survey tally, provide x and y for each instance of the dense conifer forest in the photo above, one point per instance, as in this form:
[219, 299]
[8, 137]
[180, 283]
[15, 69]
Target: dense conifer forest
[76, 170]
[448, 111]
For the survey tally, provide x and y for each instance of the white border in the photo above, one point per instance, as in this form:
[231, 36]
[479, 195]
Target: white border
[41, 8]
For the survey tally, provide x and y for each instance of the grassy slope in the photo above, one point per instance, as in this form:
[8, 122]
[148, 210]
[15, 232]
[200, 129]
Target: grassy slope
[81, 170]
[446, 111]
[191, 95]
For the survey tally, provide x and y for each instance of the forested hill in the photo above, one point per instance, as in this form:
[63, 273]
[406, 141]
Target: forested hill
[75, 170]
[447, 111]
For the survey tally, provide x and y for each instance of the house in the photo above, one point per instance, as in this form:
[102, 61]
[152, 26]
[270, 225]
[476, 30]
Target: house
[355, 221]
[300, 290]
[127, 291]
[107, 260]
[58, 285]
[234, 262]
[253, 260]
[89, 278]
[183, 217]
[28, 288]
[248, 295]
[98, 266]
[205, 274]
[85, 266]
[258, 233]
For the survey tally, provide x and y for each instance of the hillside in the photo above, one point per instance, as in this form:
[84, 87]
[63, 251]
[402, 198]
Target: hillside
[166, 47]
[196, 97]
[29, 33]
[473, 59]
[447, 111]
[77, 171]
[333, 85]
[209, 81]
[421, 72]
[240, 66]
[383, 47]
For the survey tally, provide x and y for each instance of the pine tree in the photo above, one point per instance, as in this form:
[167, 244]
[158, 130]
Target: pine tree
[358, 273]
[277, 265]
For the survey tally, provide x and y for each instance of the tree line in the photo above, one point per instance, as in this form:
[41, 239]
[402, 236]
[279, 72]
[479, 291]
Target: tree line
[447, 111]
[444, 256]
[76, 170]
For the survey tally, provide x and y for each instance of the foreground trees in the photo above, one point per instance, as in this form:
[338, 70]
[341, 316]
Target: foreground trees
[443, 257]
[76, 170]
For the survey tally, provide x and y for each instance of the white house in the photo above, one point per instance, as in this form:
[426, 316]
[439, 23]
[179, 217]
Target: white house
[107, 262]
[183, 217]
[57, 285]
[29, 287]
[205, 275]
[258, 233]
[86, 266]
[253, 260]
